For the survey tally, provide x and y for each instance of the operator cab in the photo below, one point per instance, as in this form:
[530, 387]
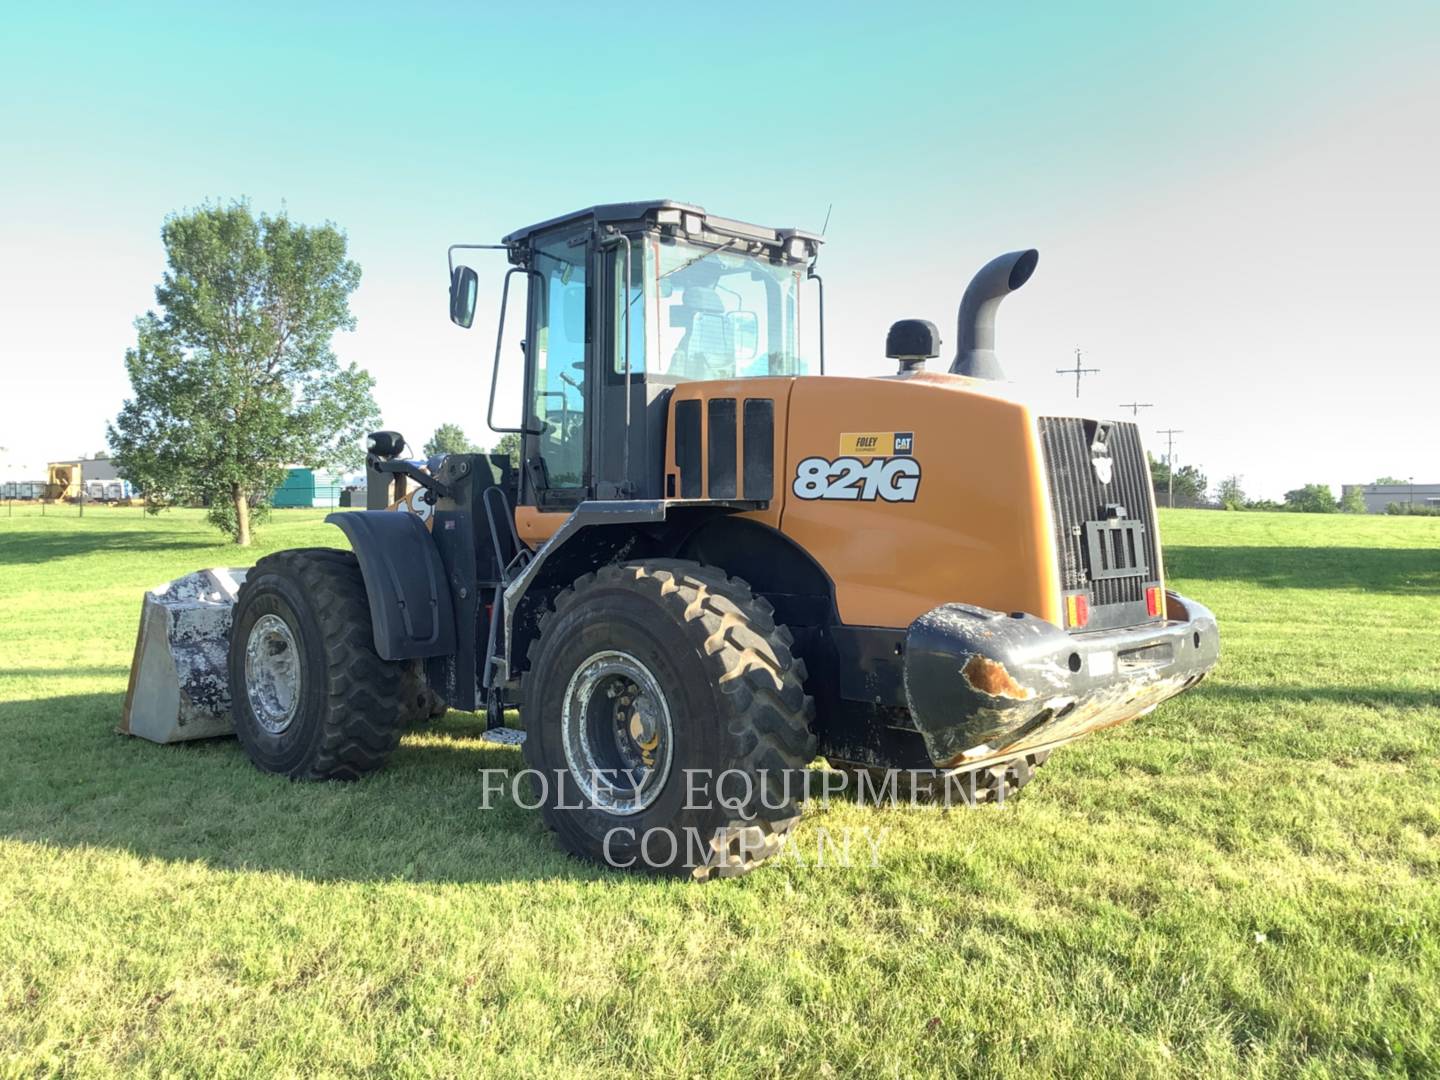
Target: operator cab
[626, 301]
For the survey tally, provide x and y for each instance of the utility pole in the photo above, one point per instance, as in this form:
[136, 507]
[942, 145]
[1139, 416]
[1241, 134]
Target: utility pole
[1412, 491]
[1077, 371]
[1136, 406]
[1170, 434]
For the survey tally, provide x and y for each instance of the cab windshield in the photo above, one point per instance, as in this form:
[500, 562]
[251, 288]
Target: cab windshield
[708, 312]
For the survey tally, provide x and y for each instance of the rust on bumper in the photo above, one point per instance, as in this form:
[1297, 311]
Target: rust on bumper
[983, 686]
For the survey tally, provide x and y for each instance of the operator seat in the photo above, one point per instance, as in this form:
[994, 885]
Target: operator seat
[704, 351]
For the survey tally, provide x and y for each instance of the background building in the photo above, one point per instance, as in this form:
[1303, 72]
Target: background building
[308, 487]
[20, 479]
[1379, 496]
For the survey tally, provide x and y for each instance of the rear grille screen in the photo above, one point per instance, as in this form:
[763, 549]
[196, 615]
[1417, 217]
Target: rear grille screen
[1109, 553]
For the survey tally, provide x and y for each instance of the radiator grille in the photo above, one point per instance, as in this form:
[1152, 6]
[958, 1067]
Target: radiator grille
[1077, 496]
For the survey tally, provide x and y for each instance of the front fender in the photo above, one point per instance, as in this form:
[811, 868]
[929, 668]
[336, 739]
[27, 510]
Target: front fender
[405, 582]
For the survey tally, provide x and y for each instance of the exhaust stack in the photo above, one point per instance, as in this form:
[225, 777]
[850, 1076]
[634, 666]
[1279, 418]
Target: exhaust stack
[996, 280]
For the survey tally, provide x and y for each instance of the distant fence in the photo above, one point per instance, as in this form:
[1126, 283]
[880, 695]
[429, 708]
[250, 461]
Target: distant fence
[79, 506]
[25, 500]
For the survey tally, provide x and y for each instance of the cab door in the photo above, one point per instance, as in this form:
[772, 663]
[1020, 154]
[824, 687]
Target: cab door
[557, 462]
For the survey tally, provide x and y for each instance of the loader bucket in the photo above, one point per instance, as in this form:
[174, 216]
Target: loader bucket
[178, 684]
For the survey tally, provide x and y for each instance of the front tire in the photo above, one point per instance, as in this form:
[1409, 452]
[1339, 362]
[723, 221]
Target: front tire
[310, 697]
[667, 719]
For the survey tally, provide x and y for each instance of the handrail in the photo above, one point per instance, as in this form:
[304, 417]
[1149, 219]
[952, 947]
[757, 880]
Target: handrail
[499, 344]
[820, 284]
[625, 294]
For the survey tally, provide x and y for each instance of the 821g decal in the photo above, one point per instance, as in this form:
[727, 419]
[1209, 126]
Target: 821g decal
[895, 479]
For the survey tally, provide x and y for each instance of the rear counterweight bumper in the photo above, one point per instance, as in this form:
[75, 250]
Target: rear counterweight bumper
[982, 685]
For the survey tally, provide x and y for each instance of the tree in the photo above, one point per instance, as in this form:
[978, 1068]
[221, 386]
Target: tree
[234, 378]
[1312, 499]
[1394, 481]
[1230, 494]
[509, 444]
[1353, 500]
[1159, 474]
[1190, 483]
[449, 439]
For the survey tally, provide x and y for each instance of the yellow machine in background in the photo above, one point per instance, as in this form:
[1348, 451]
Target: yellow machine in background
[64, 482]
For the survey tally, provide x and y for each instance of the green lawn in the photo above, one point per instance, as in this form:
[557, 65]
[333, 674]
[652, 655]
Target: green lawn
[1243, 882]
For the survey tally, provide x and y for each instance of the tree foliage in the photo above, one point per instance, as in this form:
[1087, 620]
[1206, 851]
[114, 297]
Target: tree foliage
[1190, 484]
[1229, 494]
[1390, 481]
[1312, 499]
[449, 439]
[234, 378]
[1353, 500]
[509, 444]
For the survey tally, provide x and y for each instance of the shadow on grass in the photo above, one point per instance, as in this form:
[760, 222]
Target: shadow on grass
[28, 547]
[71, 781]
[1389, 570]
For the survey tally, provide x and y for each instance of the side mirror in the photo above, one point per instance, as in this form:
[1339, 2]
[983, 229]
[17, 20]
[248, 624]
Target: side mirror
[743, 329]
[464, 286]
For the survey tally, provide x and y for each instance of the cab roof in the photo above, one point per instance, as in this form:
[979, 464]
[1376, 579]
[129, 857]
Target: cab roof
[678, 217]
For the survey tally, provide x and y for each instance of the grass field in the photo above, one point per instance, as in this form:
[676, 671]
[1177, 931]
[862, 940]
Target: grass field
[1243, 883]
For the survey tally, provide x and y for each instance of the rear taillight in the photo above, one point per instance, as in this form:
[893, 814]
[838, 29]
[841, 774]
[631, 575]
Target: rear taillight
[1155, 601]
[1077, 610]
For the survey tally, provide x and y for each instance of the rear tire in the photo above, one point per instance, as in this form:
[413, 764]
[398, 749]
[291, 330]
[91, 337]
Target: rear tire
[666, 714]
[310, 697]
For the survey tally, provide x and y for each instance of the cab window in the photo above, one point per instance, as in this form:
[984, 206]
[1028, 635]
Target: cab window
[707, 313]
[558, 386]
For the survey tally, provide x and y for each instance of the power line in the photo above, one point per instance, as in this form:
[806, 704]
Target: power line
[1077, 371]
[1170, 434]
[1136, 406]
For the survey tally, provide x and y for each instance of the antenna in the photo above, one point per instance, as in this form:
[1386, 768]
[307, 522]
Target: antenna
[1077, 371]
[1136, 406]
[1170, 434]
[811, 275]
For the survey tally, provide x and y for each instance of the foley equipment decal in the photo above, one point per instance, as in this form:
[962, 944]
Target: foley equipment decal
[877, 444]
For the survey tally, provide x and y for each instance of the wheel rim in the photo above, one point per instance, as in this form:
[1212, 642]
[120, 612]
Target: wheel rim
[272, 673]
[619, 741]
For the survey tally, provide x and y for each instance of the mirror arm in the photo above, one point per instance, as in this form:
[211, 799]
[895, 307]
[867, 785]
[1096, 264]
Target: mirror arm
[450, 252]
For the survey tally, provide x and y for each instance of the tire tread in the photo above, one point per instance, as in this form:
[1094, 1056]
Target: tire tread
[368, 698]
[749, 659]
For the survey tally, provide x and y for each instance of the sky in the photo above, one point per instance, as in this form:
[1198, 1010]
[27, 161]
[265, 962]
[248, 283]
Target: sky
[1235, 204]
